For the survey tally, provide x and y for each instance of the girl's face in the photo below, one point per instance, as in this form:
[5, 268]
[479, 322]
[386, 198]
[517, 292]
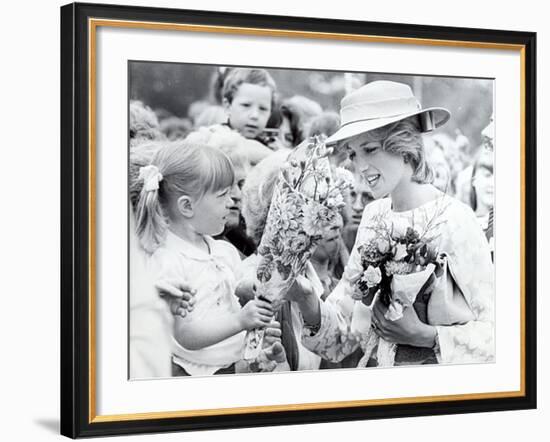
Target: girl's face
[383, 172]
[483, 183]
[250, 109]
[211, 211]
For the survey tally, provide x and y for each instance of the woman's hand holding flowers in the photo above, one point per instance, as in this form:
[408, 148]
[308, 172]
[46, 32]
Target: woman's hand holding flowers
[304, 296]
[408, 330]
[300, 291]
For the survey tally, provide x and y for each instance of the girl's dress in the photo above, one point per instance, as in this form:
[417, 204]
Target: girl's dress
[213, 275]
[461, 305]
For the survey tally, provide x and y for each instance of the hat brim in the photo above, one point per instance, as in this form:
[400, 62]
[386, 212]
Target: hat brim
[440, 117]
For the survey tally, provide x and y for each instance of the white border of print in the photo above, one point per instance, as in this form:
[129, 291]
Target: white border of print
[116, 395]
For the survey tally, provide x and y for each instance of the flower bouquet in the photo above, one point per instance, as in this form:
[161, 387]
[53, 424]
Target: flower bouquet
[399, 268]
[305, 204]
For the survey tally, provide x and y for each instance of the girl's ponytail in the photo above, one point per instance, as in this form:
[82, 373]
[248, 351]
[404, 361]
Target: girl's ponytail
[151, 223]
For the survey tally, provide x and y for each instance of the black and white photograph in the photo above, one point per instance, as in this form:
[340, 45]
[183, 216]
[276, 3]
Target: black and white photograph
[301, 220]
[278, 220]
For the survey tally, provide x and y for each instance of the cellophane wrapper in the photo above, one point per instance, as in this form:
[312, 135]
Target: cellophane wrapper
[405, 289]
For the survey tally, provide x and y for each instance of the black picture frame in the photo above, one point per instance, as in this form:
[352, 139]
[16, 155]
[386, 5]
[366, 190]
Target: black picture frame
[77, 417]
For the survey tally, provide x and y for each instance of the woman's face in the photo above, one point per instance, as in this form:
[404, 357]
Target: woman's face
[360, 196]
[329, 246]
[285, 134]
[236, 194]
[383, 172]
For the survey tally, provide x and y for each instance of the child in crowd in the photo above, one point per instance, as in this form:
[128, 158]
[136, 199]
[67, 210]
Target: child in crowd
[236, 148]
[482, 192]
[248, 97]
[144, 124]
[183, 202]
[297, 112]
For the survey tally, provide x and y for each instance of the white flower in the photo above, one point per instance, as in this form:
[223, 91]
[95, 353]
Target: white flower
[394, 312]
[383, 245]
[372, 276]
[400, 252]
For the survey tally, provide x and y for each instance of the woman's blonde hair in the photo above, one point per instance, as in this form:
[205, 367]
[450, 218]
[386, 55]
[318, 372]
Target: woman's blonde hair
[180, 168]
[404, 138]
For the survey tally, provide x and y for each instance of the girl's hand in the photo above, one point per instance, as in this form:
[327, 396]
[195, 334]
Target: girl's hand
[255, 314]
[408, 330]
[179, 295]
[246, 290]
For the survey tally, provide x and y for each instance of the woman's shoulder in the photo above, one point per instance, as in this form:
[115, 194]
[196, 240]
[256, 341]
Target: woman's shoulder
[456, 211]
[377, 206]
[461, 226]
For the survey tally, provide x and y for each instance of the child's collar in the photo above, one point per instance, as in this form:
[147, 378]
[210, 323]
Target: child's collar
[180, 245]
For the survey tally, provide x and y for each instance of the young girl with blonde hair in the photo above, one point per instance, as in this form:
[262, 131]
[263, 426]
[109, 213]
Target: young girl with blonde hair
[184, 202]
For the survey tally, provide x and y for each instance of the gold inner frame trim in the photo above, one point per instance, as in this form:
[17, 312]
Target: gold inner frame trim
[93, 24]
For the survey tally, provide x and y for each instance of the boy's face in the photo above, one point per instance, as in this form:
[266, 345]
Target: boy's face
[250, 109]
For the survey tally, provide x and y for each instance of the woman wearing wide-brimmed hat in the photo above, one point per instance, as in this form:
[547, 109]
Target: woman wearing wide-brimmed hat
[382, 124]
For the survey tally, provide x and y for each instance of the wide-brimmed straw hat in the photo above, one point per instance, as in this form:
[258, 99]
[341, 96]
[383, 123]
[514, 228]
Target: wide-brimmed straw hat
[380, 103]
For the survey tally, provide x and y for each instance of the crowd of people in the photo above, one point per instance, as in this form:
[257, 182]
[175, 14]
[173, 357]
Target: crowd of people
[200, 190]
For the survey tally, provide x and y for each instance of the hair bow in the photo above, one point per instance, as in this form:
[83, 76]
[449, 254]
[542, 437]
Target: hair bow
[151, 177]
